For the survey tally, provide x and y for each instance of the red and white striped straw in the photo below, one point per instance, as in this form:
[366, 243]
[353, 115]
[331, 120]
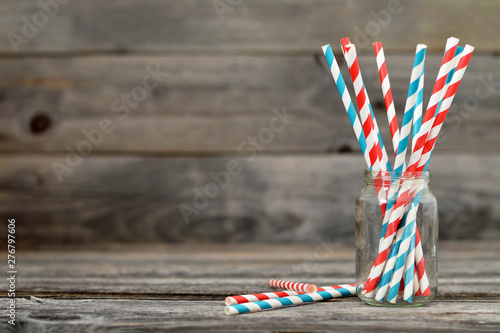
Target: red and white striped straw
[349, 51]
[436, 97]
[445, 105]
[373, 146]
[295, 286]
[387, 92]
[239, 299]
[424, 288]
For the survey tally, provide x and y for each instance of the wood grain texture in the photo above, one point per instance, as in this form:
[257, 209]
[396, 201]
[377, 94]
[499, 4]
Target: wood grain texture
[207, 105]
[347, 315]
[273, 199]
[225, 77]
[181, 288]
[284, 26]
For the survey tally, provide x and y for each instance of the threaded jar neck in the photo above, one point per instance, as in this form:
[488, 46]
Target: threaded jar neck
[370, 177]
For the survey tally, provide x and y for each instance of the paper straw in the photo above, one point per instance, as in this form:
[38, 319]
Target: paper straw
[424, 288]
[346, 290]
[417, 113]
[295, 286]
[419, 103]
[239, 299]
[411, 105]
[387, 92]
[348, 105]
[409, 270]
[416, 284]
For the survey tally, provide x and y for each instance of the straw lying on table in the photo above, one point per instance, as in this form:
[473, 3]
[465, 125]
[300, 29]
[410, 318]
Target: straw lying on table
[295, 286]
[400, 254]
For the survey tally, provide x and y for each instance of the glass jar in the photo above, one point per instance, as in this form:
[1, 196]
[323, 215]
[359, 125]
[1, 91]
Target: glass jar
[396, 252]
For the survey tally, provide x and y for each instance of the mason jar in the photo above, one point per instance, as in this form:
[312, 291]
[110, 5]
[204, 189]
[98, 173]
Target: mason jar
[396, 239]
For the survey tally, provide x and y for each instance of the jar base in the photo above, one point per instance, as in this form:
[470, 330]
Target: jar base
[417, 300]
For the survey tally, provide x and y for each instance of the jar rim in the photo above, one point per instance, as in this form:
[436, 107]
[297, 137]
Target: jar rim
[391, 175]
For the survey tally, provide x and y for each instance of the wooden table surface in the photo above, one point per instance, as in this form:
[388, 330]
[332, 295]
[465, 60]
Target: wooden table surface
[181, 288]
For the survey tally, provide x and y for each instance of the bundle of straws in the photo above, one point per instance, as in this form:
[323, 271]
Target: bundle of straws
[400, 261]
[295, 293]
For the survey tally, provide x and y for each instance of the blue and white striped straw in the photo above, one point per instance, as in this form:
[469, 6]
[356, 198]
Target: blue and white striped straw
[346, 99]
[409, 270]
[419, 104]
[411, 105]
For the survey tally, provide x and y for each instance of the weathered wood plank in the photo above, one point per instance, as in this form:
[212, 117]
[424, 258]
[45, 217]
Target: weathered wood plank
[213, 104]
[179, 288]
[158, 271]
[285, 26]
[347, 315]
[272, 199]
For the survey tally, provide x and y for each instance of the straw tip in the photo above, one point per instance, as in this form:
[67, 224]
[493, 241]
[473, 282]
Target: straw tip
[325, 47]
[344, 41]
[227, 310]
[452, 41]
[348, 47]
[469, 48]
[228, 301]
[312, 288]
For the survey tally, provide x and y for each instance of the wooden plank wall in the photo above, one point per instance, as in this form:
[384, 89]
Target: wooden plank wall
[160, 96]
